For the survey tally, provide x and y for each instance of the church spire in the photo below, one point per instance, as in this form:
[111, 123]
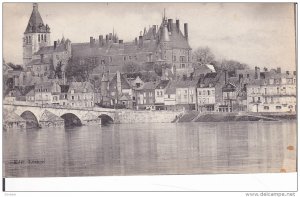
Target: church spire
[35, 23]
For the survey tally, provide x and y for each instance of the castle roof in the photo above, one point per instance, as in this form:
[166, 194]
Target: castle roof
[35, 23]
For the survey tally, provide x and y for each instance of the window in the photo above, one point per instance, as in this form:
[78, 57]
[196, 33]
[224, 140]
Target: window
[72, 97]
[39, 38]
[277, 90]
[124, 58]
[266, 107]
[72, 91]
[42, 37]
[174, 58]
[265, 90]
[185, 91]
[45, 38]
[182, 65]
[81, 62]
[208, 92]
[284, 90]
[266, 100]
[258, 99]
[169, 96]
[253, 99]
[278, 107]
[182, 59]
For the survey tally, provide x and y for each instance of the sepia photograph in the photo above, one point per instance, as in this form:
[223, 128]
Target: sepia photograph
[127, 89]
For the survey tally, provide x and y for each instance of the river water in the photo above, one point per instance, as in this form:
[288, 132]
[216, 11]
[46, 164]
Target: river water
[148, 149]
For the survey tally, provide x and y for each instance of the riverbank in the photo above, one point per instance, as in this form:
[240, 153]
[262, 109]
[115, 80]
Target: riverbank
[130, 116]
[195, 116]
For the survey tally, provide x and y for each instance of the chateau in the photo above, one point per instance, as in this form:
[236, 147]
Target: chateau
[160, 45]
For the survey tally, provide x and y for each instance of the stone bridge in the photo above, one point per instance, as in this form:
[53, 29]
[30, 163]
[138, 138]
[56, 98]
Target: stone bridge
[36, 111]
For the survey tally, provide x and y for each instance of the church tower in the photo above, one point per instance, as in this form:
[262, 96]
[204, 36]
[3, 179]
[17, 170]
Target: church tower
[36, 35]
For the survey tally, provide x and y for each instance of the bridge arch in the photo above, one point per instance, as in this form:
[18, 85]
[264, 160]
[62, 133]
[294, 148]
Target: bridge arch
[71, 120]
[106, 119]
[31, 119]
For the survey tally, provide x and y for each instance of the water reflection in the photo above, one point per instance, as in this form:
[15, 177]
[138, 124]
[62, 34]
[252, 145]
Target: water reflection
[162, 148]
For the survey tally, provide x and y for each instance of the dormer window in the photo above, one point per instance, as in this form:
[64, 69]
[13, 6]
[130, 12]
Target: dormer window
[84, 90]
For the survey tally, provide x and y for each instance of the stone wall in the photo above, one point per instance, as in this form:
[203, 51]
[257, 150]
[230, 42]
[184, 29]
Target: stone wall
[127, 116]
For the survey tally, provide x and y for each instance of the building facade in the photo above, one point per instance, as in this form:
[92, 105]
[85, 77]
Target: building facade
[275, 92]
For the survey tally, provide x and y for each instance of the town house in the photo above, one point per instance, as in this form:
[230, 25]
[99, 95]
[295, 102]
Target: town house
[81, 94]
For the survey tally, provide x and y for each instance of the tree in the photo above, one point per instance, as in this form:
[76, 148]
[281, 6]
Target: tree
[58, 70]
[231, 65]
[203, 55]
[79, 72]
[131, 67]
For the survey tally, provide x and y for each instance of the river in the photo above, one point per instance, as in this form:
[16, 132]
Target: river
[148, 149]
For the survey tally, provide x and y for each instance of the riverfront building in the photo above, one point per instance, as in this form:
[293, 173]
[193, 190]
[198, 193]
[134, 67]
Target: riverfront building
[272, 91]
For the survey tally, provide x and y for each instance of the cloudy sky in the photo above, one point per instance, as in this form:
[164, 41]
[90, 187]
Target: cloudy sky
[259, 34]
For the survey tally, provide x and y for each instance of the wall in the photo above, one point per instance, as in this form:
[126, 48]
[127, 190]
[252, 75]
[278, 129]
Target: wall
[127, 116]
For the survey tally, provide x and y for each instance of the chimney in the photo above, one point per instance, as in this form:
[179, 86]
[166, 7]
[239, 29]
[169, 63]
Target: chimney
[135, 41]
[91, 41]
[288, 72]
[140, 41]
[119, 87]
[106, 38]
[177, 25]
[257, 72]
[120, 41]
[35, 7]
[101, 40]
[240, 77]
[278, 70]
[55, 44]
[170, 21]
[154, 30]
[186, 33]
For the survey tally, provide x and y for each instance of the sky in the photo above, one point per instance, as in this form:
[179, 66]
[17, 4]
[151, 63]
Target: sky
[258, 34]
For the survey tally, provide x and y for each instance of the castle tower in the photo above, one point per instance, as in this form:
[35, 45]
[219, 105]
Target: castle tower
[36, 35]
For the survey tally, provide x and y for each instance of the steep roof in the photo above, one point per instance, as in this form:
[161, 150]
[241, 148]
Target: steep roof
[79, 87]
[48, 116]
[35, 23]
[149, 86]
[30, 93]
[12, 117]
[64, 88]
[124, 82]
[162, 84]
[125, 97]
[50, 49]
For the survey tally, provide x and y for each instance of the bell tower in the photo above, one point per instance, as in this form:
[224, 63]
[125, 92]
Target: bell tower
[36, 35]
